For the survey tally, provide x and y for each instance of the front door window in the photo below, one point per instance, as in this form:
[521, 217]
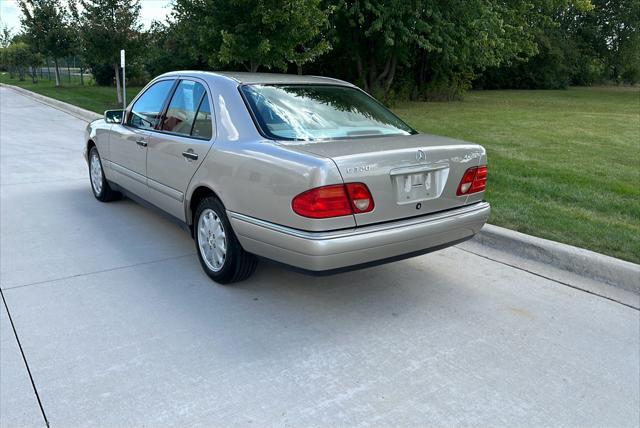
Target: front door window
[146, 111]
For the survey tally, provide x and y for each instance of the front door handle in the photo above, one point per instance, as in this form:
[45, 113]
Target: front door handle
[141, 143]
[190, 155]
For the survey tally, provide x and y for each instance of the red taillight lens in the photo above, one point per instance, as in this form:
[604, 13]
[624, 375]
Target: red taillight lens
[360, 197]
[333, 201]
[480, 180]
[474, 180]
[322, 202]
[466, 182]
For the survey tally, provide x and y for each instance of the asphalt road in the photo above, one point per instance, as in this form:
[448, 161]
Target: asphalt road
[120, 327]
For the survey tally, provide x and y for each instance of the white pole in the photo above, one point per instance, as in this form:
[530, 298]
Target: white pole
[124, 81]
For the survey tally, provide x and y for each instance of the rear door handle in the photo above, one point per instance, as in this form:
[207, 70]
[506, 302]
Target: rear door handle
[190, 155]
[141, 143]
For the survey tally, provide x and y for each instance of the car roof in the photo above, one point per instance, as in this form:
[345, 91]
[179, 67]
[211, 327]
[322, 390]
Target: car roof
[262, 78]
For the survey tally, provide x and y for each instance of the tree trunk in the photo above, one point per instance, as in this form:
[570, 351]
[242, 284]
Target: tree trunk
[299, 66]
[372, 73]
[361, 76]
[391, 74]
[253, 66]
[82, 76]
[34, 74]
[387, 67]
[55, 63]
[117, 70]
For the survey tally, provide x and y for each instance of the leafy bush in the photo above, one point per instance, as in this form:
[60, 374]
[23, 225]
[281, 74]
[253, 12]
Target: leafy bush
[103, 74]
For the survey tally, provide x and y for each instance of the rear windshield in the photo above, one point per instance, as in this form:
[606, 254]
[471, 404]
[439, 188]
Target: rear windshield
[320, 112]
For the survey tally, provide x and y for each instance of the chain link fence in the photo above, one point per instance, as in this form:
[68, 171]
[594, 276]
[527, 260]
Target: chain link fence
[69, 72]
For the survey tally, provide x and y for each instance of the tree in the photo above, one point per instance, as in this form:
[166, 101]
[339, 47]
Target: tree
[5, 41]
[254, 33]
[577, 43]
[33, 58]
[375, 35]
[5, 36]
[473, 35]
[438, 43]
[613, 28]
[107, 27]
[46, 28]
[167, 49]
[78, 48]
[19, 57]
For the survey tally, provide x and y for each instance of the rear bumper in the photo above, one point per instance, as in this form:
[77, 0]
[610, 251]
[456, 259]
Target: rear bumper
[344, 249]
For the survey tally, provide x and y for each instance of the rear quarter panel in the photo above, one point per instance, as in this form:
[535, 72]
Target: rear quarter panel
[260, 179]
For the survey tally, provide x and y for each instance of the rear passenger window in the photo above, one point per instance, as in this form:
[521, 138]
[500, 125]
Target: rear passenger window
[181, 114]
[202, 124]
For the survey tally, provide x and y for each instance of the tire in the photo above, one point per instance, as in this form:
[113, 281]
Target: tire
[219, 251]
[99, 184]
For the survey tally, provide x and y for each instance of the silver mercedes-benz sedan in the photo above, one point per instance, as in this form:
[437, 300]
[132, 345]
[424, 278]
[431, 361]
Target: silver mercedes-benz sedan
[308, 171]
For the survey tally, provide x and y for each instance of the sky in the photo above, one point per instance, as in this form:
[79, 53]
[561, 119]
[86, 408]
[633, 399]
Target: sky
[150, 10]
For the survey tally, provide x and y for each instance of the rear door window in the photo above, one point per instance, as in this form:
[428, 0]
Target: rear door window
[184, 109]
[202, 127]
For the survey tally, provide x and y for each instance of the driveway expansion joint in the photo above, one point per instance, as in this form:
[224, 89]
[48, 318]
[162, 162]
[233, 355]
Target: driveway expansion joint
[117, 268]
[24, 359]
[26, 183]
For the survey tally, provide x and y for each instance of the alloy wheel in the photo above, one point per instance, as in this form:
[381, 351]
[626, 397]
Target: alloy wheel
[212, 240]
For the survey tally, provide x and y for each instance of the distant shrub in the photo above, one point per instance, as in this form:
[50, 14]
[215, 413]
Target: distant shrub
[103, 74]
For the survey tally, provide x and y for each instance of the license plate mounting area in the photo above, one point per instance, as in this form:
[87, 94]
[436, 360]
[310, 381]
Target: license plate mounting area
[419, 183]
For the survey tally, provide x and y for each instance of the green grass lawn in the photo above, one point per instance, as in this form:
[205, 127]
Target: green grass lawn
[88, 96]
[563, 165]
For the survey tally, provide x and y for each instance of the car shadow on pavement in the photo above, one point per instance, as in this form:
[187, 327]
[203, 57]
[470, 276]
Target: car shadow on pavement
[153, 260]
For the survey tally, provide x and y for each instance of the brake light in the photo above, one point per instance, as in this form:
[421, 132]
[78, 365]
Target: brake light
[333, 201]
[474, 180]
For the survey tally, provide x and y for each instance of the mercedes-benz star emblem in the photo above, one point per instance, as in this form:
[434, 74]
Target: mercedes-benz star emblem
[421, 155]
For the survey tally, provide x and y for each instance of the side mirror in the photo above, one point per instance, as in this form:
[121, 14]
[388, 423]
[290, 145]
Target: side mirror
[113, 116]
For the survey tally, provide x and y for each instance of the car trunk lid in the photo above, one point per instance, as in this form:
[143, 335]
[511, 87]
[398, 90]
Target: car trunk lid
[408, 176]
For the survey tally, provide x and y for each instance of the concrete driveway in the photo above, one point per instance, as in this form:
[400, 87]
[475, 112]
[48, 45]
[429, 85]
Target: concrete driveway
[120, 327]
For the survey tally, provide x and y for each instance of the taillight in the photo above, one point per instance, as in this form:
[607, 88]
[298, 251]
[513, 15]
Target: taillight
[333, 201]
[360, 197]
[480, 180]
[474, 180]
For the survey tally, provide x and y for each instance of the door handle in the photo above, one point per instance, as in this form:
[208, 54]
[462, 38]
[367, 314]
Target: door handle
[190, 155]
[141, 143]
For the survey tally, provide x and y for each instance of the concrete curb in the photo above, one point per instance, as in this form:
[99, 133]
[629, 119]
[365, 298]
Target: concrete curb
[74, 111]
[612, 271]
[585, 263]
